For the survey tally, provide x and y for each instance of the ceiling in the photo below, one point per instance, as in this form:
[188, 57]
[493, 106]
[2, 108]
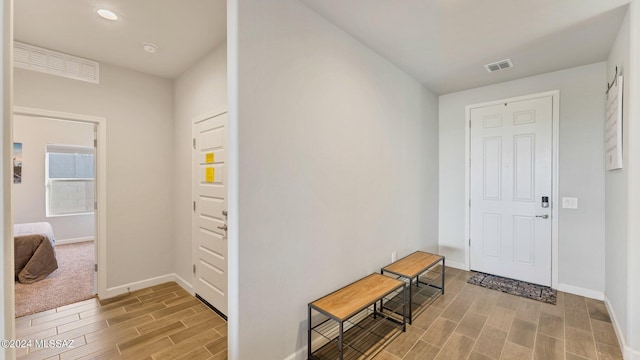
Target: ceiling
[446, 43]
[184, 30]
[442, 43]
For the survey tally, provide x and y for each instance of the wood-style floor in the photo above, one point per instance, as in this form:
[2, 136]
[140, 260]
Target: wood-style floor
[468, 322]
[471, 322]
[161, 322]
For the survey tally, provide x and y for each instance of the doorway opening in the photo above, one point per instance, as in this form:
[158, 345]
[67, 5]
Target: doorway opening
[58, 208]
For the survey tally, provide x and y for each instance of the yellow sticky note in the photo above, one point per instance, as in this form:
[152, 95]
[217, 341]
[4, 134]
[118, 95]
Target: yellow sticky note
[209, 175]
[209, 158]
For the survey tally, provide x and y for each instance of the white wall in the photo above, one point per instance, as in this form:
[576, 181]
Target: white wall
[616, 193]
[201, 89]
[29, 204]
[337, 165]
[139, 114]
[581, 231]
[7, 330]
[633, 206]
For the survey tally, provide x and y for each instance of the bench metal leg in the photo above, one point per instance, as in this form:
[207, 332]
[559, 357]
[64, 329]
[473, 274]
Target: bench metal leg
[404, 306]
[309, 336]
[375, 310]
[340, 341]
[443, 275]
[410, 301]
[381, 303]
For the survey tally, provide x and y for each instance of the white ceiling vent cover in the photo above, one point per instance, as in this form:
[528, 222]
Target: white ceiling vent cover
[51, 62]
[499, 65]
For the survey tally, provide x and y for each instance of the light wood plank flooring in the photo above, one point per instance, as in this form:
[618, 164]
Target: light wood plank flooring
[160, 322]
[471, 322]
[468, 322]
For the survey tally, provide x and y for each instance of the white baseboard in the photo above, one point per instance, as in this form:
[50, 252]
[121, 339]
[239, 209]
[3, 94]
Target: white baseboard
[301, 354]
[137, 285]
[630, 354]
[74, 240]
[455, 264]
[614, 319]
[184, 284]
[627, 352]
[576, 290]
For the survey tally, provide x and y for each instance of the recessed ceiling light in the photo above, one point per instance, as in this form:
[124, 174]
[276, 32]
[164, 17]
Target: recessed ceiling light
[107, 14]
[150, 48]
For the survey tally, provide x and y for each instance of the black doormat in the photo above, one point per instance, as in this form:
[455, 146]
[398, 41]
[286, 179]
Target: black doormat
[514, 287]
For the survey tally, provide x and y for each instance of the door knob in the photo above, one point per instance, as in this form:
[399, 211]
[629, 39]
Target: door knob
[223, 227]
[545, 216]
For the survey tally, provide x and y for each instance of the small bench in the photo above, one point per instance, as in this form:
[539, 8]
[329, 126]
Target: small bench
[411, 267]
[353, 299]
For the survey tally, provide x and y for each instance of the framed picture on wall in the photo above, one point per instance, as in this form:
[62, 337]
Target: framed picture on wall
[17, 163]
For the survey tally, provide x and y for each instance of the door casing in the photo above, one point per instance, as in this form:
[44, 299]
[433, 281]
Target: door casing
[555, 139]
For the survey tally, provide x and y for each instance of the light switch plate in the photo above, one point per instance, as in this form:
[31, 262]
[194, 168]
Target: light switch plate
[569, 203]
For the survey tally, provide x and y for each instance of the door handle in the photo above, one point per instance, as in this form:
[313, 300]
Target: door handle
[545, 216]
[223, 227]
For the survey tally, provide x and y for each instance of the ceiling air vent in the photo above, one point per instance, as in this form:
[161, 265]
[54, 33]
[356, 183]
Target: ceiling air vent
[499, 65]
[51, 62]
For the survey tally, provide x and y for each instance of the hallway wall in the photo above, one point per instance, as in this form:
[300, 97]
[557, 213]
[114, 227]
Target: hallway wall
[139, 120]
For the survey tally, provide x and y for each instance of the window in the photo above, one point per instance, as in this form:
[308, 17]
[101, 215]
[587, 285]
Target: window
[70, 180]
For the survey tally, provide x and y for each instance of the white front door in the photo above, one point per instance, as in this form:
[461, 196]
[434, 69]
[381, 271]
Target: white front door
[511, 162]
[210, 208]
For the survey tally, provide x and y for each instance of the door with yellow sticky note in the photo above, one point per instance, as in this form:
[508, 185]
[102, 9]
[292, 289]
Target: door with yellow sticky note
[209, 219]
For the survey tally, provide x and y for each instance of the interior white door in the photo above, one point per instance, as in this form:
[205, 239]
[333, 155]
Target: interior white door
[210, 209]
[511, 172]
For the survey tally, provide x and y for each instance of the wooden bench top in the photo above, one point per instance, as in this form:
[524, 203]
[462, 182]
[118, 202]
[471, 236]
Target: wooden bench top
[412, 265]
[346, 302]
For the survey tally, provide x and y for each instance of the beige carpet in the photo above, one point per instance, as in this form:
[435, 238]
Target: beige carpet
[71, 282]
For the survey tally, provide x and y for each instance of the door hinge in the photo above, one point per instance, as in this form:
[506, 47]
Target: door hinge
[95, 205]
[95, 143]
[469, 202]
[194, 269]
[469, 242]
[95, 267]
[194, 206]
[194, 143]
